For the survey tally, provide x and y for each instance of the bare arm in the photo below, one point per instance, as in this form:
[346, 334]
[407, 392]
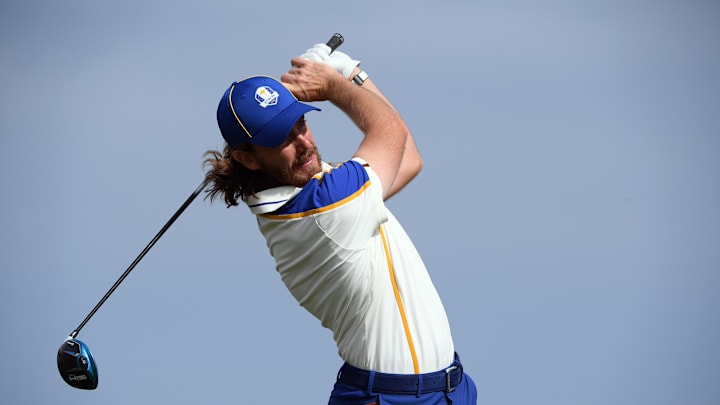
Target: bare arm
[386, 135]
[411, 162]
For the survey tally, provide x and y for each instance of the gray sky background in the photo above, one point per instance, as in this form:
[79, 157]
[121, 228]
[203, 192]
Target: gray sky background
[568, 210]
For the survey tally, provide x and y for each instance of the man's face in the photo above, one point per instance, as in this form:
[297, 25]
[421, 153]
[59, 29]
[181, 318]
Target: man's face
[295, 161]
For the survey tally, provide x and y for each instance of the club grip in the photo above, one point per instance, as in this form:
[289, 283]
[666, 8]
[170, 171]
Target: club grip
[335, 41]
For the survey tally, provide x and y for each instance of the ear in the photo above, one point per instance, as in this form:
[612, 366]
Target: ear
[245, 158]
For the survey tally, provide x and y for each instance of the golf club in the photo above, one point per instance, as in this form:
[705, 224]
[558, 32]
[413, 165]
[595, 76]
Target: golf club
[74, 359]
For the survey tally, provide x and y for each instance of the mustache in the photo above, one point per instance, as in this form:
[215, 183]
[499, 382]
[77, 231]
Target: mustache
[305, 156]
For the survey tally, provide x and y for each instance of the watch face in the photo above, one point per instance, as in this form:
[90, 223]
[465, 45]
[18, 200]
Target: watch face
[360, 77]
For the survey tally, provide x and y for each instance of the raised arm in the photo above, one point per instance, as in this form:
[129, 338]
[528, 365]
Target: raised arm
[385, 133]
[411, 162]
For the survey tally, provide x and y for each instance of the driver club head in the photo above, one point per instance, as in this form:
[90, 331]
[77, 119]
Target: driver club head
[76, 365]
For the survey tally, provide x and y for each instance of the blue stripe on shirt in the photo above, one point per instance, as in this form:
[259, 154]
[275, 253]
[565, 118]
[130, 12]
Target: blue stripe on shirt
[333, 186]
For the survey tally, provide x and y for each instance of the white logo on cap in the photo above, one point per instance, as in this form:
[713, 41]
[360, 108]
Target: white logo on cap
[265, 96]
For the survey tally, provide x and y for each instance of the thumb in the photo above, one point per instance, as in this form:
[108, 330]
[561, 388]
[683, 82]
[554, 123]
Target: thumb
[297, 90]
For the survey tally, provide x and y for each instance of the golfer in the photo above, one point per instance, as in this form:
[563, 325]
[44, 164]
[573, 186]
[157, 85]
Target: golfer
[337, 247]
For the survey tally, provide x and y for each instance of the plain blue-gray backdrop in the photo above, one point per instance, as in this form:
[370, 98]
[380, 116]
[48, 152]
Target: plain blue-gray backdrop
[568, 211]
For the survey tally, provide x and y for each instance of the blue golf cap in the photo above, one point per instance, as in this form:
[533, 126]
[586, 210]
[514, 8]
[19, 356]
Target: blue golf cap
[258, 110]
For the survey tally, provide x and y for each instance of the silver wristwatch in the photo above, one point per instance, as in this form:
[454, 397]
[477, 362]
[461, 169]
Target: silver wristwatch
[360, 78]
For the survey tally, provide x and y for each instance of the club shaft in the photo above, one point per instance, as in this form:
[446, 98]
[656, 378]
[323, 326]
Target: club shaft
[142, 254]
[334, 41]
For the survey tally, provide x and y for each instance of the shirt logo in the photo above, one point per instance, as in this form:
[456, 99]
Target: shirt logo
[266, 96]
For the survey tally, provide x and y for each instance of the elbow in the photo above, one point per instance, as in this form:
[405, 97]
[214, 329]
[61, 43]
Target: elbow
[412, 154]
[418, 165]
[412, 166]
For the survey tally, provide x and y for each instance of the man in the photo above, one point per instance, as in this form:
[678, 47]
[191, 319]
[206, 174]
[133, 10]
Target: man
[338, 249]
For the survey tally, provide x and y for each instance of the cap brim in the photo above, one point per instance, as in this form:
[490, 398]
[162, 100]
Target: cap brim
[274, 133]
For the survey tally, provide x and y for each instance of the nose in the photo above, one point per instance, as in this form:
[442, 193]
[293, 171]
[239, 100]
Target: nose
[304, 139]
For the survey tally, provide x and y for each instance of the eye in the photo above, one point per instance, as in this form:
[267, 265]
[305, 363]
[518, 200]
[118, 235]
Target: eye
[301, 123]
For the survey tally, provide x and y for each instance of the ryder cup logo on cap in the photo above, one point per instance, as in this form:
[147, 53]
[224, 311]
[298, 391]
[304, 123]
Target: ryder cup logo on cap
[266, 96]
[260, 111]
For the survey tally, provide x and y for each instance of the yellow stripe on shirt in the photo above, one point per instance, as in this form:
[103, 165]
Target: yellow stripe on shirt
[321, 209]
[398, 300]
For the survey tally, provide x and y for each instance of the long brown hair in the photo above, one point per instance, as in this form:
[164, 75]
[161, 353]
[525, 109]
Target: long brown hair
[228, 178]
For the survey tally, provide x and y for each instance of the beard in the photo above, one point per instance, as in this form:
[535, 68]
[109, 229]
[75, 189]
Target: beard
[297, 174]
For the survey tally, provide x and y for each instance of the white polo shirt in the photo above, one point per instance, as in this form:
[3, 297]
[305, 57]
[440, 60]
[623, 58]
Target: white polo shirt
[347, 260]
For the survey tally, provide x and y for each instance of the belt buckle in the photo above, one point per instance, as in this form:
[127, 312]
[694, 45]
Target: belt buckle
[449, 370]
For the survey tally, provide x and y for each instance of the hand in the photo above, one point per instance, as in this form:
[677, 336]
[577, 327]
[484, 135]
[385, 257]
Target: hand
[339, 61]
[310, 80]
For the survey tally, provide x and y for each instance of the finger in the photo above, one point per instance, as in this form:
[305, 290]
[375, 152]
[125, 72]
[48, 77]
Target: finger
[290, 86]
[287, 85]
[297, 91]
[292, 73]
[287, 79]
[297, 61]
